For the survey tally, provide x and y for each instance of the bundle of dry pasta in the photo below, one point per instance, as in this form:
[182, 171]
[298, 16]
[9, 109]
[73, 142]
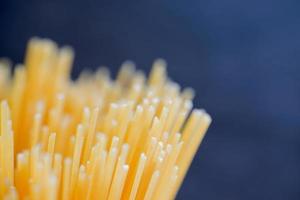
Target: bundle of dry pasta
[93, 138]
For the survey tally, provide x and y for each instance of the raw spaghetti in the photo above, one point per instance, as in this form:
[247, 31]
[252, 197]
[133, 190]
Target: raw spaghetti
[93, 138]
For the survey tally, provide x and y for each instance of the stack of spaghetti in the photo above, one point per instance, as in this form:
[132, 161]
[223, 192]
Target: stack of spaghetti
[93, 138]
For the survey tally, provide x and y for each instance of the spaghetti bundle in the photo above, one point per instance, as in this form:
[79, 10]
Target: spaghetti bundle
[93, 138]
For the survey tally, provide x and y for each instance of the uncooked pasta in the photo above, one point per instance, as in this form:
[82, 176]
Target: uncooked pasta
[93, 138]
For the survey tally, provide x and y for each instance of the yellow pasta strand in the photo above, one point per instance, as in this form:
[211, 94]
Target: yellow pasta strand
[93, 138]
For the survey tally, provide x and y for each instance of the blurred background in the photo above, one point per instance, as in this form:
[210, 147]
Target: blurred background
[242, 58]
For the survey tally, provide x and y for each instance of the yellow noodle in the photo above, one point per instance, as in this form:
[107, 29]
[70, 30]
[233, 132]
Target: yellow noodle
[93, 138]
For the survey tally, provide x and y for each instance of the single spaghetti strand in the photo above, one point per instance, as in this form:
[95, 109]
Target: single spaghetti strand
[51, 146]
[66, 189]
[138, 177]
[90, 134]
[76, 156]
[152, 185]
[118, 183]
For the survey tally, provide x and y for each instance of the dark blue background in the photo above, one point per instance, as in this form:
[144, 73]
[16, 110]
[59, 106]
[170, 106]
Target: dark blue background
[242, 57]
